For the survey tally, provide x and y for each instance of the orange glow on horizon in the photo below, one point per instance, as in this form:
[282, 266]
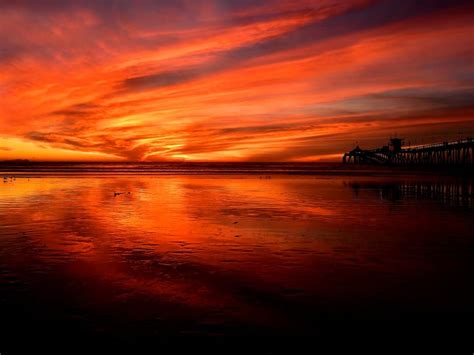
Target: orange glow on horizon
[290, 81]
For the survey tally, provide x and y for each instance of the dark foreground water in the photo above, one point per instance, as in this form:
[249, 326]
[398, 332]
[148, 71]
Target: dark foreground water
[236, 254]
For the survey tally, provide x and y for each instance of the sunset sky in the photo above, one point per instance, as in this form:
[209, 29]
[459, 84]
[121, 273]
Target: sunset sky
[231, 80]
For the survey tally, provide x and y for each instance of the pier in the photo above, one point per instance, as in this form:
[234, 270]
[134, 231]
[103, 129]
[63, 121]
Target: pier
[458, 153]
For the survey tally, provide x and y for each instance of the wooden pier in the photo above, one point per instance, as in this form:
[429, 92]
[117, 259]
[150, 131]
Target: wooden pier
[458, 153]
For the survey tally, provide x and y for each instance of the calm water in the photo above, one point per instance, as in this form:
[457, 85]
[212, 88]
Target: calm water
[234, 254]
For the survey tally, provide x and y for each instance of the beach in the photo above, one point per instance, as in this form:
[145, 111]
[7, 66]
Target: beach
[152, 256]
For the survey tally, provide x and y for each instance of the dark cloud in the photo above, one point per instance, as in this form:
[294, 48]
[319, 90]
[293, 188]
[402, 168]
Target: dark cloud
[352, 20]
[153, 81]
[428, 98]
[370, 16]
[406, 102]
[81, 110]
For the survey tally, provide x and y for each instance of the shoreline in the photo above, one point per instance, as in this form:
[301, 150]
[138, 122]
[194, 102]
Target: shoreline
[260, 174]
[232, 169]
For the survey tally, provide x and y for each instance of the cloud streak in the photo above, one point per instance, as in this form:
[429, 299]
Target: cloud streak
[230, 80]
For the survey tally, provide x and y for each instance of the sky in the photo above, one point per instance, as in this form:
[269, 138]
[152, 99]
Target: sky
[231, 80]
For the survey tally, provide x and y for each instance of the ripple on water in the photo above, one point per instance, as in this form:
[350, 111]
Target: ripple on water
[210, 255]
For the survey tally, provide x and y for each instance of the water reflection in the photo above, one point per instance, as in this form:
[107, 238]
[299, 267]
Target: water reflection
[457, 193]
[228, 254]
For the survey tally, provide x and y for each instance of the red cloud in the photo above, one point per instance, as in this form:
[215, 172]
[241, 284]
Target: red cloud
[248, 83]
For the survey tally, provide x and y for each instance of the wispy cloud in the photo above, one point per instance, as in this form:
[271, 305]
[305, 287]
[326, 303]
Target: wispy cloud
[230, 80]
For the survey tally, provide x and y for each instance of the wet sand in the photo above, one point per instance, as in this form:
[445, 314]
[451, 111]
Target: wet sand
[221, 255]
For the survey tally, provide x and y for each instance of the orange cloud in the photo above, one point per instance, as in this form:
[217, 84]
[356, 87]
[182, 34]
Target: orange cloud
[295, 81]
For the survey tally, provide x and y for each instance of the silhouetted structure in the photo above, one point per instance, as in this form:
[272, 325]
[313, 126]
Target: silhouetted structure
[447, 153]
[455, 193]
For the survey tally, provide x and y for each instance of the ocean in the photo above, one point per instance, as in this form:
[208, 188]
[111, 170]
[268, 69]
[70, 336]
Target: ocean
[131, 252]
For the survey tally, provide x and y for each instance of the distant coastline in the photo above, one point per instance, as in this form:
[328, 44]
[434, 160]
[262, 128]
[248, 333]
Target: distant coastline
[32, 168]
[15, 162]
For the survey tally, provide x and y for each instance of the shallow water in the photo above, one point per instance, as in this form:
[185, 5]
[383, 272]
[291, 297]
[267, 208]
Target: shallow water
[233, 254]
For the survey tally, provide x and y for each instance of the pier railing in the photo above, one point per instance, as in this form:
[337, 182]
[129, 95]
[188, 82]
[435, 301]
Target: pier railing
[459, 152]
